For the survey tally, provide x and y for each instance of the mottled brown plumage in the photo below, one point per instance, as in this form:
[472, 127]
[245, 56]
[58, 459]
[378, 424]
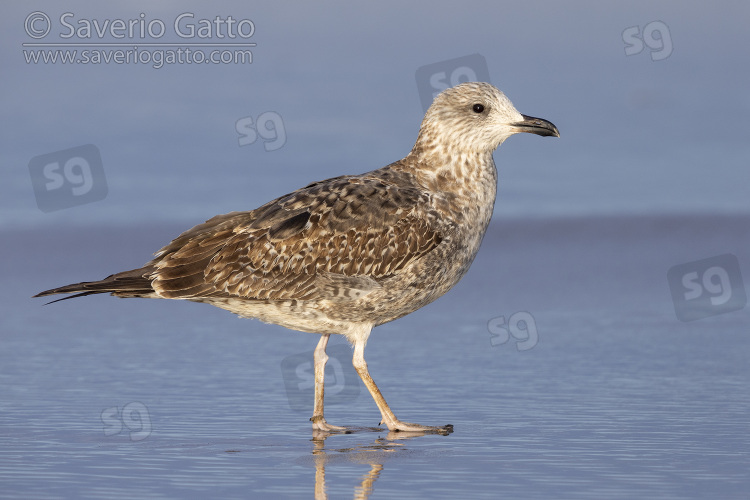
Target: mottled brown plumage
[346, 254]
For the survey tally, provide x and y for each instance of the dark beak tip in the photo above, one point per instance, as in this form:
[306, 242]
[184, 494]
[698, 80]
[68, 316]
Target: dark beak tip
[538, 126]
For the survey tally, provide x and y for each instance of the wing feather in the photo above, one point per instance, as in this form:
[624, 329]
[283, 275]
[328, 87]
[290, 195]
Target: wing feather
[347, 232]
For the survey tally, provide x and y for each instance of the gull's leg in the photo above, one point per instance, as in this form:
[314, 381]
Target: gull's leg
[320, 357]
[389, 419]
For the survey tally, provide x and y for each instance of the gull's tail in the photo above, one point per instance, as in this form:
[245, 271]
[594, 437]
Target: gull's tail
[135, 283]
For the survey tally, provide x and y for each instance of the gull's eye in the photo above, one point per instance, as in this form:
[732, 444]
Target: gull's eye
[478, 108]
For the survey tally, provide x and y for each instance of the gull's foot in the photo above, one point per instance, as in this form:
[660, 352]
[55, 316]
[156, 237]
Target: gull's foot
[399, 426]
[319, 435]
[320, 424]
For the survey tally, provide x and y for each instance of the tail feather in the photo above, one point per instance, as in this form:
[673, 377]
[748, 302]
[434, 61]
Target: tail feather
[135, 283]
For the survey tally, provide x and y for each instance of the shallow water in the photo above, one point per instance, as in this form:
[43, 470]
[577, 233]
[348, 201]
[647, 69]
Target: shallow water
[600, 393]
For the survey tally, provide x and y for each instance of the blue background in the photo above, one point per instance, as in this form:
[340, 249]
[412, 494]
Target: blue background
[618, 399]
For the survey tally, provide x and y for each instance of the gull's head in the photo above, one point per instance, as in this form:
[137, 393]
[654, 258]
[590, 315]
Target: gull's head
[476, 117]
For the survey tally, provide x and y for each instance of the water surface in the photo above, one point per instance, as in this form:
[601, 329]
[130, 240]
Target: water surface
[617, 398]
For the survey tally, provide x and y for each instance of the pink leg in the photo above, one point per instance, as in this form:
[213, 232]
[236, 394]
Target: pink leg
[320, 356]
[389, 419]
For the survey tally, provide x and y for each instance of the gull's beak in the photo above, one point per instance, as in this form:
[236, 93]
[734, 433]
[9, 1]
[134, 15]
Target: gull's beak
[536, 126]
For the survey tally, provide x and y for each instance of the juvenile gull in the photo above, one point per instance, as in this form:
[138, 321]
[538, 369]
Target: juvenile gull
[343, 255]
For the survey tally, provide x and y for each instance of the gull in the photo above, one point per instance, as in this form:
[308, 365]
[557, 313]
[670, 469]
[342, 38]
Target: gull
[346, 254]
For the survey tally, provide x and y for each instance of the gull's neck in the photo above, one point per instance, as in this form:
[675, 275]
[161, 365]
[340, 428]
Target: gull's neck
[462, 182]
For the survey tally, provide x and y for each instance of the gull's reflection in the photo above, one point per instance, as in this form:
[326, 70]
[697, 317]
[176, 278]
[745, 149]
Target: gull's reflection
[372, 452]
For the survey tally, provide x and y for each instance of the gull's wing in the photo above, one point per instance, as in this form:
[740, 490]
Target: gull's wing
[322, 241]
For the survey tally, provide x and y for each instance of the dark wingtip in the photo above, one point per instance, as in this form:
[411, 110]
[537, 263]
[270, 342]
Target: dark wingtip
[53, 291]
[82, 294]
